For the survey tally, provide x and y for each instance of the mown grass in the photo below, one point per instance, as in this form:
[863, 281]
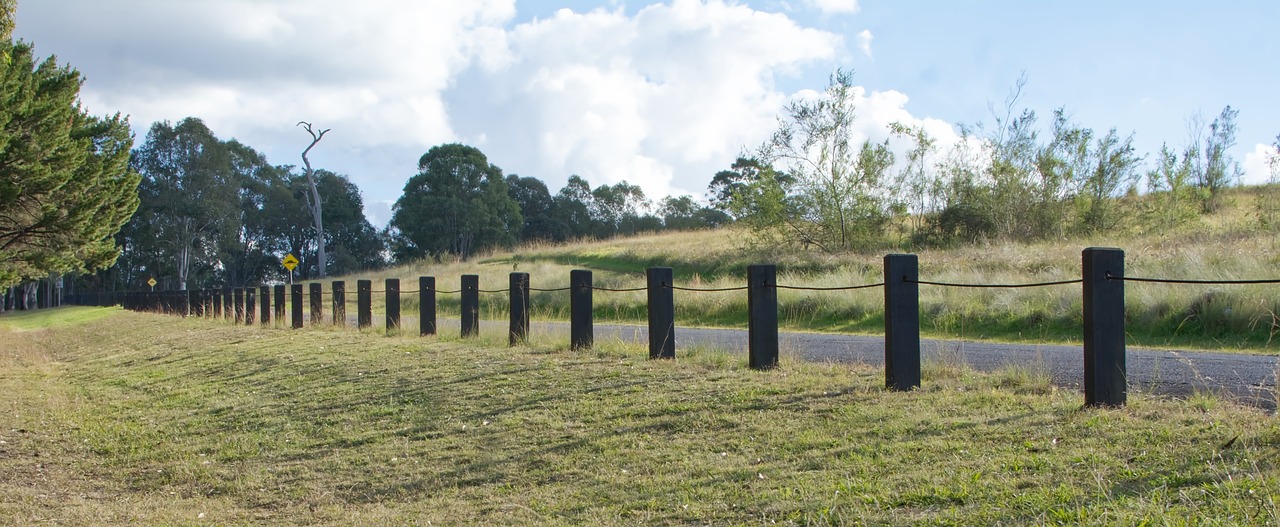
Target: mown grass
[142, 419]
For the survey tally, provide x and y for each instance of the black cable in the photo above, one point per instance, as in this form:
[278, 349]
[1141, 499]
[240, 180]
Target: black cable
[994, 286]
[1177, 281]
[839, 288]
[709, 290]
[550, 290]
[619, 290]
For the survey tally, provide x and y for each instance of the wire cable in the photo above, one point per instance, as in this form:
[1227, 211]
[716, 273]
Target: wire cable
[994, 286]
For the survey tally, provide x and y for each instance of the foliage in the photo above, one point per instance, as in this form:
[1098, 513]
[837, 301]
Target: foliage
[839, 197]
[537, 209]
[65, 184]
[682, 213]
[458, 203]
[1173, 199]
[220, 210]
[1212, 167]
[757, 196]
[189, 178]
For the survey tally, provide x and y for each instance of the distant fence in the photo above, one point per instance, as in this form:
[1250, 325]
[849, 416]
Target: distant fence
[1102, 286]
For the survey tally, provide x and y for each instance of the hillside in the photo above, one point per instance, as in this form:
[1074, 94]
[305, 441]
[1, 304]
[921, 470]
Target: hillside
[1229, 244]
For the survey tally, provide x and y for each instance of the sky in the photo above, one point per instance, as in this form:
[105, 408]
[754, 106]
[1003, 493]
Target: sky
[660, 94]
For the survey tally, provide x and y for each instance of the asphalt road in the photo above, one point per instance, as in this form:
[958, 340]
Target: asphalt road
[1250, 379]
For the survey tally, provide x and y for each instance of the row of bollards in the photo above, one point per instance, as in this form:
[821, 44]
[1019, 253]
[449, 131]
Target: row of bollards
[1105, 381]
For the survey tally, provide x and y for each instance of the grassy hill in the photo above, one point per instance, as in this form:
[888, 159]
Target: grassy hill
[1229, 244]
[119, 418]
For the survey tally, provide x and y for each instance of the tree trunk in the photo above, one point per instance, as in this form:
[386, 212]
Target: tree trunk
[314, 202]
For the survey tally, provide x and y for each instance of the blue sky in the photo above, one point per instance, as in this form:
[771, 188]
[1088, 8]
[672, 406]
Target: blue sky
[661, 94]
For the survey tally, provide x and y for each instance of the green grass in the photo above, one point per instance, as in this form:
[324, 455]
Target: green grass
[142, 419]
[50, 318]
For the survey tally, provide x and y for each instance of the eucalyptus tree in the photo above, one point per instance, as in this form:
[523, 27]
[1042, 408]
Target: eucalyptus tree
[1115, 164]
[458, 203]
[839, 180]
[190, 195]
[314, 204]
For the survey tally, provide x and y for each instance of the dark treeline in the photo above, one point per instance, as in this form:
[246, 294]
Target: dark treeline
[459, 203]
[215, 212]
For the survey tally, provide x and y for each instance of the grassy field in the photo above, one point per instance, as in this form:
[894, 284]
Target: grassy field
[1229, 245]
[115, 418]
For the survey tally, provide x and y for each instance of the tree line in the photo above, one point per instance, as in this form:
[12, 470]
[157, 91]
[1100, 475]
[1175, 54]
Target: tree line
[459, 203]
[813, 184]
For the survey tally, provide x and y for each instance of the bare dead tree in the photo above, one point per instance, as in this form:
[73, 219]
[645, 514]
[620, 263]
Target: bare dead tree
[313, 200]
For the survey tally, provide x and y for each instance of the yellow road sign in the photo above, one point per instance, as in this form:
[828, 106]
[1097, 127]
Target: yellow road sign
[289, 261]
[151, 282]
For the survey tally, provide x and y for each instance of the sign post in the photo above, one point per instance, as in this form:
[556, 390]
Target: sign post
[290, 261]
[152, 282]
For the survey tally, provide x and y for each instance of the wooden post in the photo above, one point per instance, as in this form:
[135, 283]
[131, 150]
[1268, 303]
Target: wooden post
[1105, 377]
[295, 294]
[364, 303]
[662, 313]
[518, 288]
[249, 304]
[339, 302]
[901, 322]
[215, 300]
[228, 305]
[426, 305]
[581, 325]
[762, 326]
[393, 305]
[316, 297]
[470, 305]
[264, 305]
[279, 293]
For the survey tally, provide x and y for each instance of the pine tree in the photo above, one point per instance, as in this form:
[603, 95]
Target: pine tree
[65, 184]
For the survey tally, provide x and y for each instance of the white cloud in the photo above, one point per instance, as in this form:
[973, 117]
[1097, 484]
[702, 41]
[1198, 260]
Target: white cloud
[864, 42]
[661, 99]
[833, 7]
[663, 96]
[1261, 165]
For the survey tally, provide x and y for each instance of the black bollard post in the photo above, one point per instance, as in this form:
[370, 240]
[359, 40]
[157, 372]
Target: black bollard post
[762, 325]
[581, 319]
[662, 313]
[364, 303]
[339, 302]
[295, 300]
[1105, 377]
[426, 305]
[228, 305]
[279, 294]
[264, 305]
[518, 289]
[237, 299]
[901, 322]
[393, 305]
[216, 301]
[470, 305]
[249, 304]
[316, 297]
